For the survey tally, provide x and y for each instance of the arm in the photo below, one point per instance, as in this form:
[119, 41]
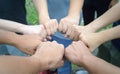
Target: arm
[73, 15]
[40, 61]
[96, 65]
[107, 18]
[18, 65]
[26, 43]
[50, 25]
[22, 28]
[75, 9]
[42, 9]
[11, 26]
[94, 40]
[83, 57]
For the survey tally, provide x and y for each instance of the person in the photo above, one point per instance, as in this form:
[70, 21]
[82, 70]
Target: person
[108, 17]
[39, 61]
[83, 57]
[67, 14]
[93, 6]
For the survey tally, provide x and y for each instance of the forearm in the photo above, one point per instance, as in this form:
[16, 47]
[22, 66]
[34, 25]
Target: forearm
[75, 8]
[42, 9]
[109, 34]
[7, 37]
[98, 66]
[11, 26]
[107, 18]
[18, 65]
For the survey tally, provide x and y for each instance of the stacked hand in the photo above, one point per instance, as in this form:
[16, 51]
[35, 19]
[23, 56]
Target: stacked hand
[54, 58]
[76, 52]
[51, 26]
[50, 54]
[67, 22]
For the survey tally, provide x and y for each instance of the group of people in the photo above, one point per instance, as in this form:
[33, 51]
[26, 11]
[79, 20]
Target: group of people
[44, 55]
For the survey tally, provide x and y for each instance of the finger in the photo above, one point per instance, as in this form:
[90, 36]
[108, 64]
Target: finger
[48, 28]
[72, 35]
[68, 33]
[65, 26]
[56, 26]
[60, 26]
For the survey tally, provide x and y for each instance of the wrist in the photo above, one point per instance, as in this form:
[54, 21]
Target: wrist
[86, 60]
[43, 19]
[73, 19]
[23, 28]
[90, 29]
[77, 17]
[39, 63]
[35, 64]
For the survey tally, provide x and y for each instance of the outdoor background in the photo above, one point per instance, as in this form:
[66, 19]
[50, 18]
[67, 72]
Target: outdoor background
[32, 16]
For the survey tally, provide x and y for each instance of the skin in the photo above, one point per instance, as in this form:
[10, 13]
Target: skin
[22, 28]
[73, 15]
[26, 43]
[83, 57]
[51, 25]
[94, 40]
[107, 18]
[41, 60]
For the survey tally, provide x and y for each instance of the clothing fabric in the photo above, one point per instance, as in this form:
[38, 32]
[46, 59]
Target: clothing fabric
[92, 6]
[13, 10]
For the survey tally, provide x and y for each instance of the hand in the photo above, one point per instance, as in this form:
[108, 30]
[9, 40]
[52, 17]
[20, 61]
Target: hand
[28, 43]
[34, 29]
[50, 54]
[112, 3]
[74, 31]
[51, 26]
[66, 22]
[76, 52]
[92, 40]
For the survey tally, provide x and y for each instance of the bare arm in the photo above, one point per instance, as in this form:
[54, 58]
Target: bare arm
[98, 66]
[18, 65]
[50, 25]
[22, 28]
[35, 63]
[110, 34]
[83, 57]
[107, 18]
[73, 16]
[7, 37]
[42, 9]
[11, 26]
[75, 8]
[94, 40]
[26, 43]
